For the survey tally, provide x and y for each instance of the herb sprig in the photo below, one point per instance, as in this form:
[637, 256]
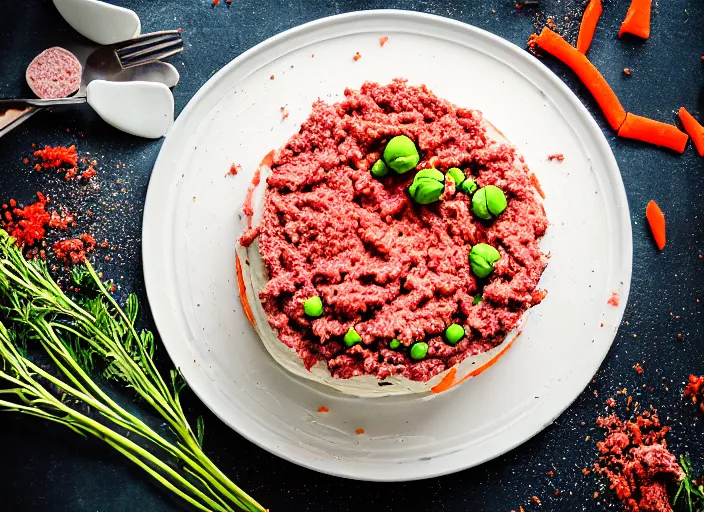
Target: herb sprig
[83, 334]
[689, 488]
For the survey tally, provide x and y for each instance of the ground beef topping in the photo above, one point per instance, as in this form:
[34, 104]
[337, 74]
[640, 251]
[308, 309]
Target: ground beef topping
[383, 265]
[635, 459]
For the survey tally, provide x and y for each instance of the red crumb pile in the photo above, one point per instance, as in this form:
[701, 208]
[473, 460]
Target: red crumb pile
[28, 224]
[695, 390]
[64, 159]
[382, 264]
[74, 250]
[59, 156]
[635, 459]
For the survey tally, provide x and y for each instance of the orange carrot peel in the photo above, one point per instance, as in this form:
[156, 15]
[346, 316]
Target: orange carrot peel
[243, 292]
[653, 132]
[588, 26]
[656, 220]
[694, 129]
[637, 20]
[587, 73]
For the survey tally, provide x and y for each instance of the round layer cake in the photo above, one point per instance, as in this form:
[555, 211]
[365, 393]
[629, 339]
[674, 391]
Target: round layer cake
[395, 272]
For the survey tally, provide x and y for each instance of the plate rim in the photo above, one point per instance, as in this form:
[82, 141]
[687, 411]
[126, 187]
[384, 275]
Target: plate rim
[600, 141]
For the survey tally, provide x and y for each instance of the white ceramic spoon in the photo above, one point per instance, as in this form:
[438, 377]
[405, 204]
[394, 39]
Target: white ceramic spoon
[99, 21]
[145, 109]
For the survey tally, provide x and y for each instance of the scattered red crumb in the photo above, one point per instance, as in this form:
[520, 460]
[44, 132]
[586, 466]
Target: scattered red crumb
[312, 55]
[596, 494]
[635, 459]
[247, 206]
[585, 471]
[551, 23]
[518, 6]
[534, 181]
[25, 160]
[493, 11]
[382, 41]
[27, 224]
[695, 390]
[284, 113]
[61, 222]
[551, 473]
[216, 2]
[536, 500]
[104, 243]
[532, 42]
[323, 409]
[271, 77]
[234, 169]
[614, 300]
[359, 431]
[89, 173]
[611, 402]
[71, 250]
[627, 71]
[557, 156]
[638, 368]
[57, 156]
[357, 56]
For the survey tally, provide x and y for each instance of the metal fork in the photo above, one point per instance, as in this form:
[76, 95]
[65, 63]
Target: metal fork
[117, 62]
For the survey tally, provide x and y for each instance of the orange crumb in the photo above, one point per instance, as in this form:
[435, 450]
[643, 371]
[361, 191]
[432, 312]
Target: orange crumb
[357, 56]
[536, 500]
[637, 367]
[322, 408]
[586, 471]
[493, 11]
[627, 71]
[359, 431]
[382, 41]
[25, 160]
[596, 495]
[216, 2]
[271, 77]
[234, 169]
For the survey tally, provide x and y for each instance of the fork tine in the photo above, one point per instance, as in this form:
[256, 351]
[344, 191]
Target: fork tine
[152, 40]
[150, 54]
[146, 38]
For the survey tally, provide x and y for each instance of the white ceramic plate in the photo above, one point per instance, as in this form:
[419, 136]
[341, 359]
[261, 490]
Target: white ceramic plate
[190, 231]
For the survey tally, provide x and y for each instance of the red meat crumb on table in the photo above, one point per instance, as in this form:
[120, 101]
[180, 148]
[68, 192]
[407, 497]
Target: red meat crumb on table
[323, 409]
[357, 56]
[57, 156]
[611, 402]
[234, 169]
[382, 41]
[557, 156]
[638, 368]
[614, 300]
[27, 224]
[74, 250]
[88, 173]
[635, 459]
[695, 390]
[216, 2]
[359, 431]
[627, 71]
[61, 222]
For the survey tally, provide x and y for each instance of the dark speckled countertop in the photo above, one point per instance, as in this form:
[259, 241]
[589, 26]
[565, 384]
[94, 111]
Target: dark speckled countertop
[43, 467]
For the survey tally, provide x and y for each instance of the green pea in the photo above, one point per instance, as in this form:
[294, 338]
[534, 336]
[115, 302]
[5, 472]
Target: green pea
[457, 175]
[379, 169]
[427, 187]
[454, 333]
[482, 258]
[394, 344]
[469, 186]
[351, 337]
[488, 202]
[477, 300]
[313, 306]
[419, 350]
[401, 154]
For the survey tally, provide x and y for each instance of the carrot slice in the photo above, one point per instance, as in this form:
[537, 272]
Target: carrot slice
[694, 129]
[637, 20]
[654, 132]
[587, 73]
[243, 292]
[586, 30]
[656, 220]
